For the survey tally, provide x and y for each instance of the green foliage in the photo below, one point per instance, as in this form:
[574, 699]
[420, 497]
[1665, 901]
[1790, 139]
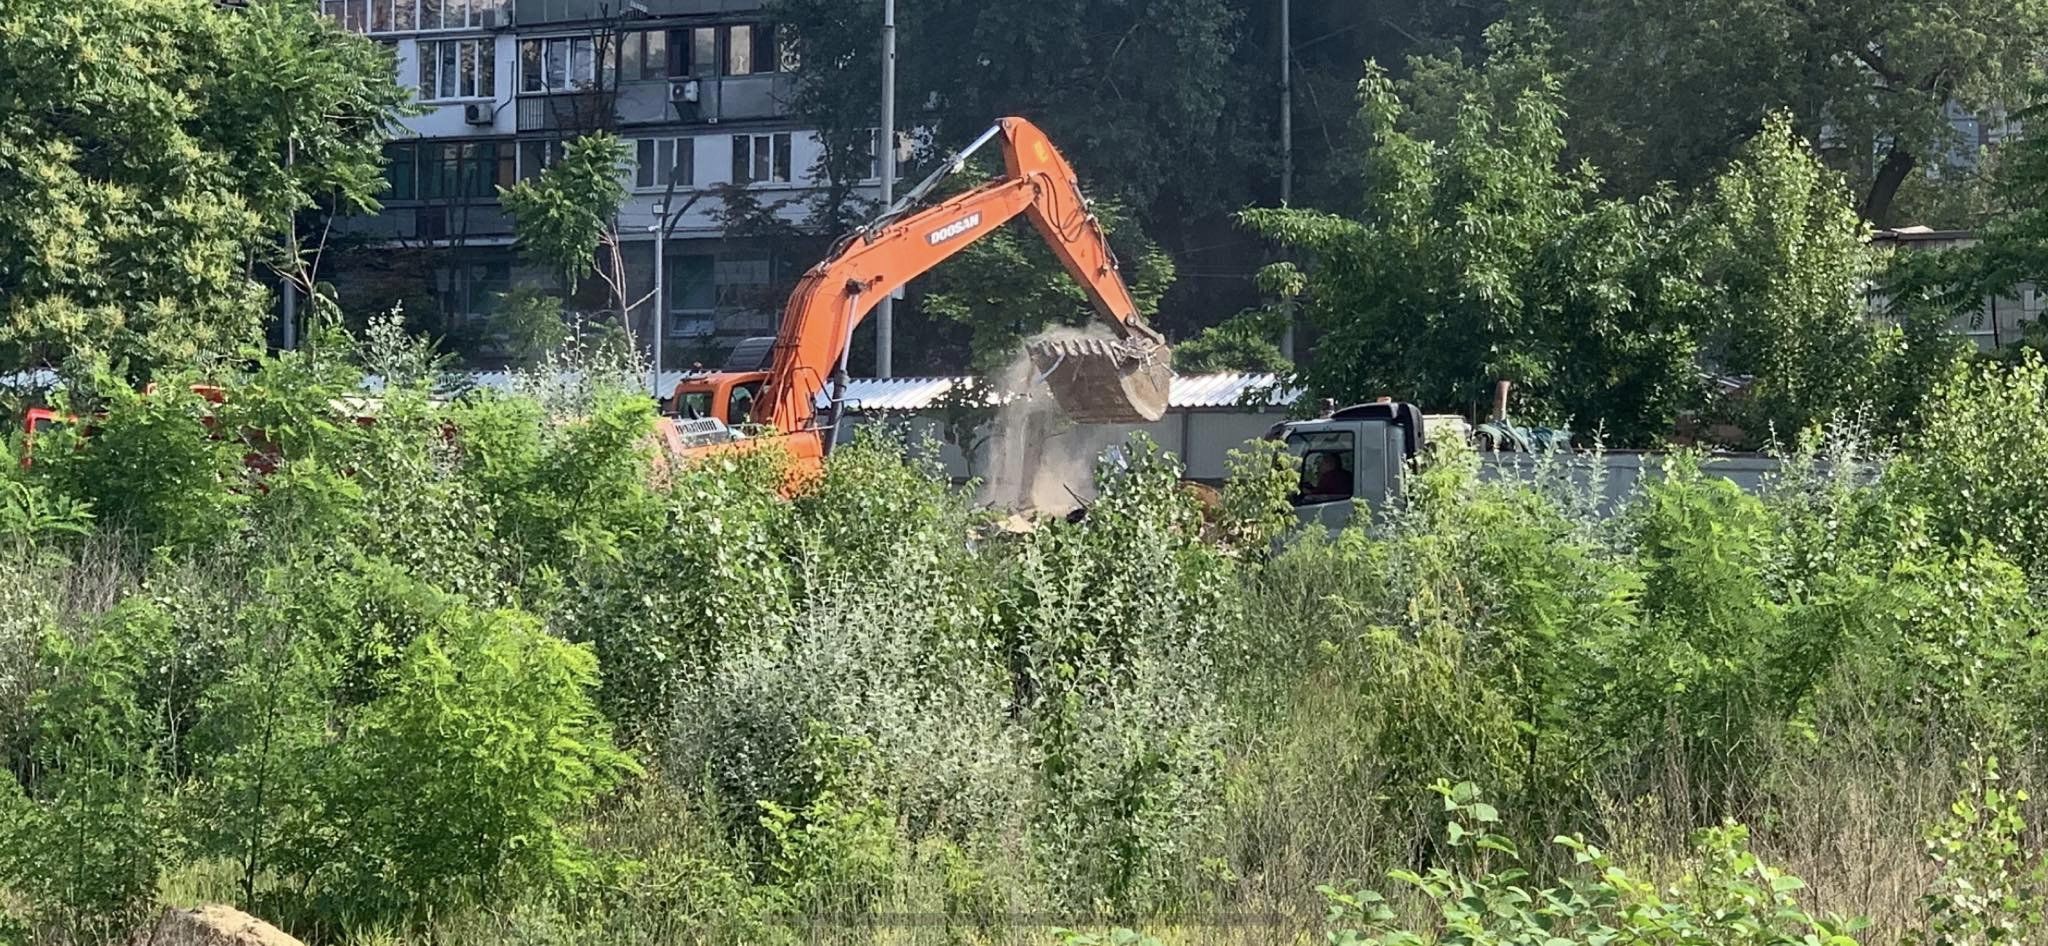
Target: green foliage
[88, 837]
[1788, 255]
[1729, 898]
[527, 325]
[1243, 342]
[362, 690]
[1992, 888]
[1586, 302]
[151, 468]
[1637, 70]
[1966, 461]
[459, 784]
[563, 214]
[2014, 242]
[1257, 496]
[153, 149]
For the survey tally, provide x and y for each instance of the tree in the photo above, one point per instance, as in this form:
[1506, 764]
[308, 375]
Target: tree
[1008, 286]
[1665, 93]
[567, 216]
[1148, 99]
[2014, 242]
[1243, 342]
[153, 152]
[1481, 256]
[1788, 256]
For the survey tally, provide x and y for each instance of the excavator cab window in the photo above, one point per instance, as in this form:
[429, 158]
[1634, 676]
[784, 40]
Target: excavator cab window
[1326, 463]
[740, 409]
[693, 405]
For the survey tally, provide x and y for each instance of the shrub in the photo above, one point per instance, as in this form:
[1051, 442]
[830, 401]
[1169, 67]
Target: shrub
[464, 781]
[88, 829]
[1970, 459]
[1728, 897]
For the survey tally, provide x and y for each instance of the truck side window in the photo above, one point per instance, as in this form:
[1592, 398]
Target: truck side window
[1326, 464]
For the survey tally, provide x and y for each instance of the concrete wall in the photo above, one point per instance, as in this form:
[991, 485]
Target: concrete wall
[1203, 438]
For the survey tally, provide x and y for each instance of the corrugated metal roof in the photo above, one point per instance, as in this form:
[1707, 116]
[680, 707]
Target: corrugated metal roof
[1230, 389]
[1189, 391]
[897, 394]
[1224, 390]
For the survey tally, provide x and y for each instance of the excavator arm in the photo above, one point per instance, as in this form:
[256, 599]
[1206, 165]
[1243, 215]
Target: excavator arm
[1103, 381]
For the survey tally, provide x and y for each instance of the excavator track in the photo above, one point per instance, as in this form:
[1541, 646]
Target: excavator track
[1105, 381]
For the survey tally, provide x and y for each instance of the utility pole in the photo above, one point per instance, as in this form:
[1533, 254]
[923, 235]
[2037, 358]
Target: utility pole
[1287, 147]
[885, 143]
[1286, 103]
[291, 314]
[660, 331]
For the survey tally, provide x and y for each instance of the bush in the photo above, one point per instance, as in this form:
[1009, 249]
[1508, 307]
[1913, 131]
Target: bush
[1728, 896]
[464, 782]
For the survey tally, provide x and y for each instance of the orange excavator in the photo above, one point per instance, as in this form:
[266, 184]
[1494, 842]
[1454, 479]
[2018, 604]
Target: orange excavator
[797, 401]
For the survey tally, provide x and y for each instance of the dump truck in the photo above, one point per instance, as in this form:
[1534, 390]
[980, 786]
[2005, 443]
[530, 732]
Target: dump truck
[1358, 454]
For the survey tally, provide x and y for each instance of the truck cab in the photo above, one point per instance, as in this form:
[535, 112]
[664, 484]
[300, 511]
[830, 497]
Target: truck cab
[1358, 454]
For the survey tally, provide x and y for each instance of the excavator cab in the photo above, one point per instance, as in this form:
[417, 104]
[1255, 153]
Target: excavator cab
[727, 395]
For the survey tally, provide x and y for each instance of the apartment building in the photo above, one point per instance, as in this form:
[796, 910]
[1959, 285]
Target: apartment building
[699, 89]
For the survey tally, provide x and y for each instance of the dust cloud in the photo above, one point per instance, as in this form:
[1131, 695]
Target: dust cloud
[1038, 460]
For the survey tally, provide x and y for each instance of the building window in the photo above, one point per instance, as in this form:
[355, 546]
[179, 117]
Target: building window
[697, 50]
[644, 55]
[464, 169]
[760, 159]
[458, 69]
[470, 289]
[407, 16]
[741, 282]
[903, 146]
[739, 51]
[665, 161]
[401, 174]
[538, 154]
[742, 49]
[563, 64]
[692, 295]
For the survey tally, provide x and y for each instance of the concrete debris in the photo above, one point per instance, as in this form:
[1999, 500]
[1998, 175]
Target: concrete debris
[213, 925]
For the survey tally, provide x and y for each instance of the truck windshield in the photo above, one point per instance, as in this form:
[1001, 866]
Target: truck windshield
[1324, 459]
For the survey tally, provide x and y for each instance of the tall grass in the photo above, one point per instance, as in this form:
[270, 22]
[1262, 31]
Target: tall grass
[865, 716]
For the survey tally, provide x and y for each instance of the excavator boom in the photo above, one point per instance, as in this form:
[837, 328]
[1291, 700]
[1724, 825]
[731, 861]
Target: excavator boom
[1117, 380]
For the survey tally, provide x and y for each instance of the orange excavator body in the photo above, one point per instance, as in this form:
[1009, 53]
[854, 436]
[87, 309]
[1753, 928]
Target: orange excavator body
[1103, 381]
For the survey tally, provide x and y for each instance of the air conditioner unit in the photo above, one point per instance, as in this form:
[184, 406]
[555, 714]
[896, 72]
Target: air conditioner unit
[479, 113]
[683, 91]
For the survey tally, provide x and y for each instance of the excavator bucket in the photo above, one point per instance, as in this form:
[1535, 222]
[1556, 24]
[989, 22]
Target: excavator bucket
[1105, 381]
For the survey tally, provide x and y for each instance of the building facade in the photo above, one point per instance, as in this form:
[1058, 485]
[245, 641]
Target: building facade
[699, 90]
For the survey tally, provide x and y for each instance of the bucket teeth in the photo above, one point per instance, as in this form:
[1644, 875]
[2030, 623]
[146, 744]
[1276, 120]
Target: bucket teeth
[1105, 381]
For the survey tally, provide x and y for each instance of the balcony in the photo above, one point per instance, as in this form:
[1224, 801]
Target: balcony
[535, 12]
[719, 99]
[568, 111]
[453, 220]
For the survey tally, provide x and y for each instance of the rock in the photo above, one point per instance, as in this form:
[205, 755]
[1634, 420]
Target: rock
[213, 925]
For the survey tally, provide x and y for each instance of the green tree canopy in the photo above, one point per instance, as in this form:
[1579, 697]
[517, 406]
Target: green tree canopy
[1481, 256]
[1665, 92]
[151, 151]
